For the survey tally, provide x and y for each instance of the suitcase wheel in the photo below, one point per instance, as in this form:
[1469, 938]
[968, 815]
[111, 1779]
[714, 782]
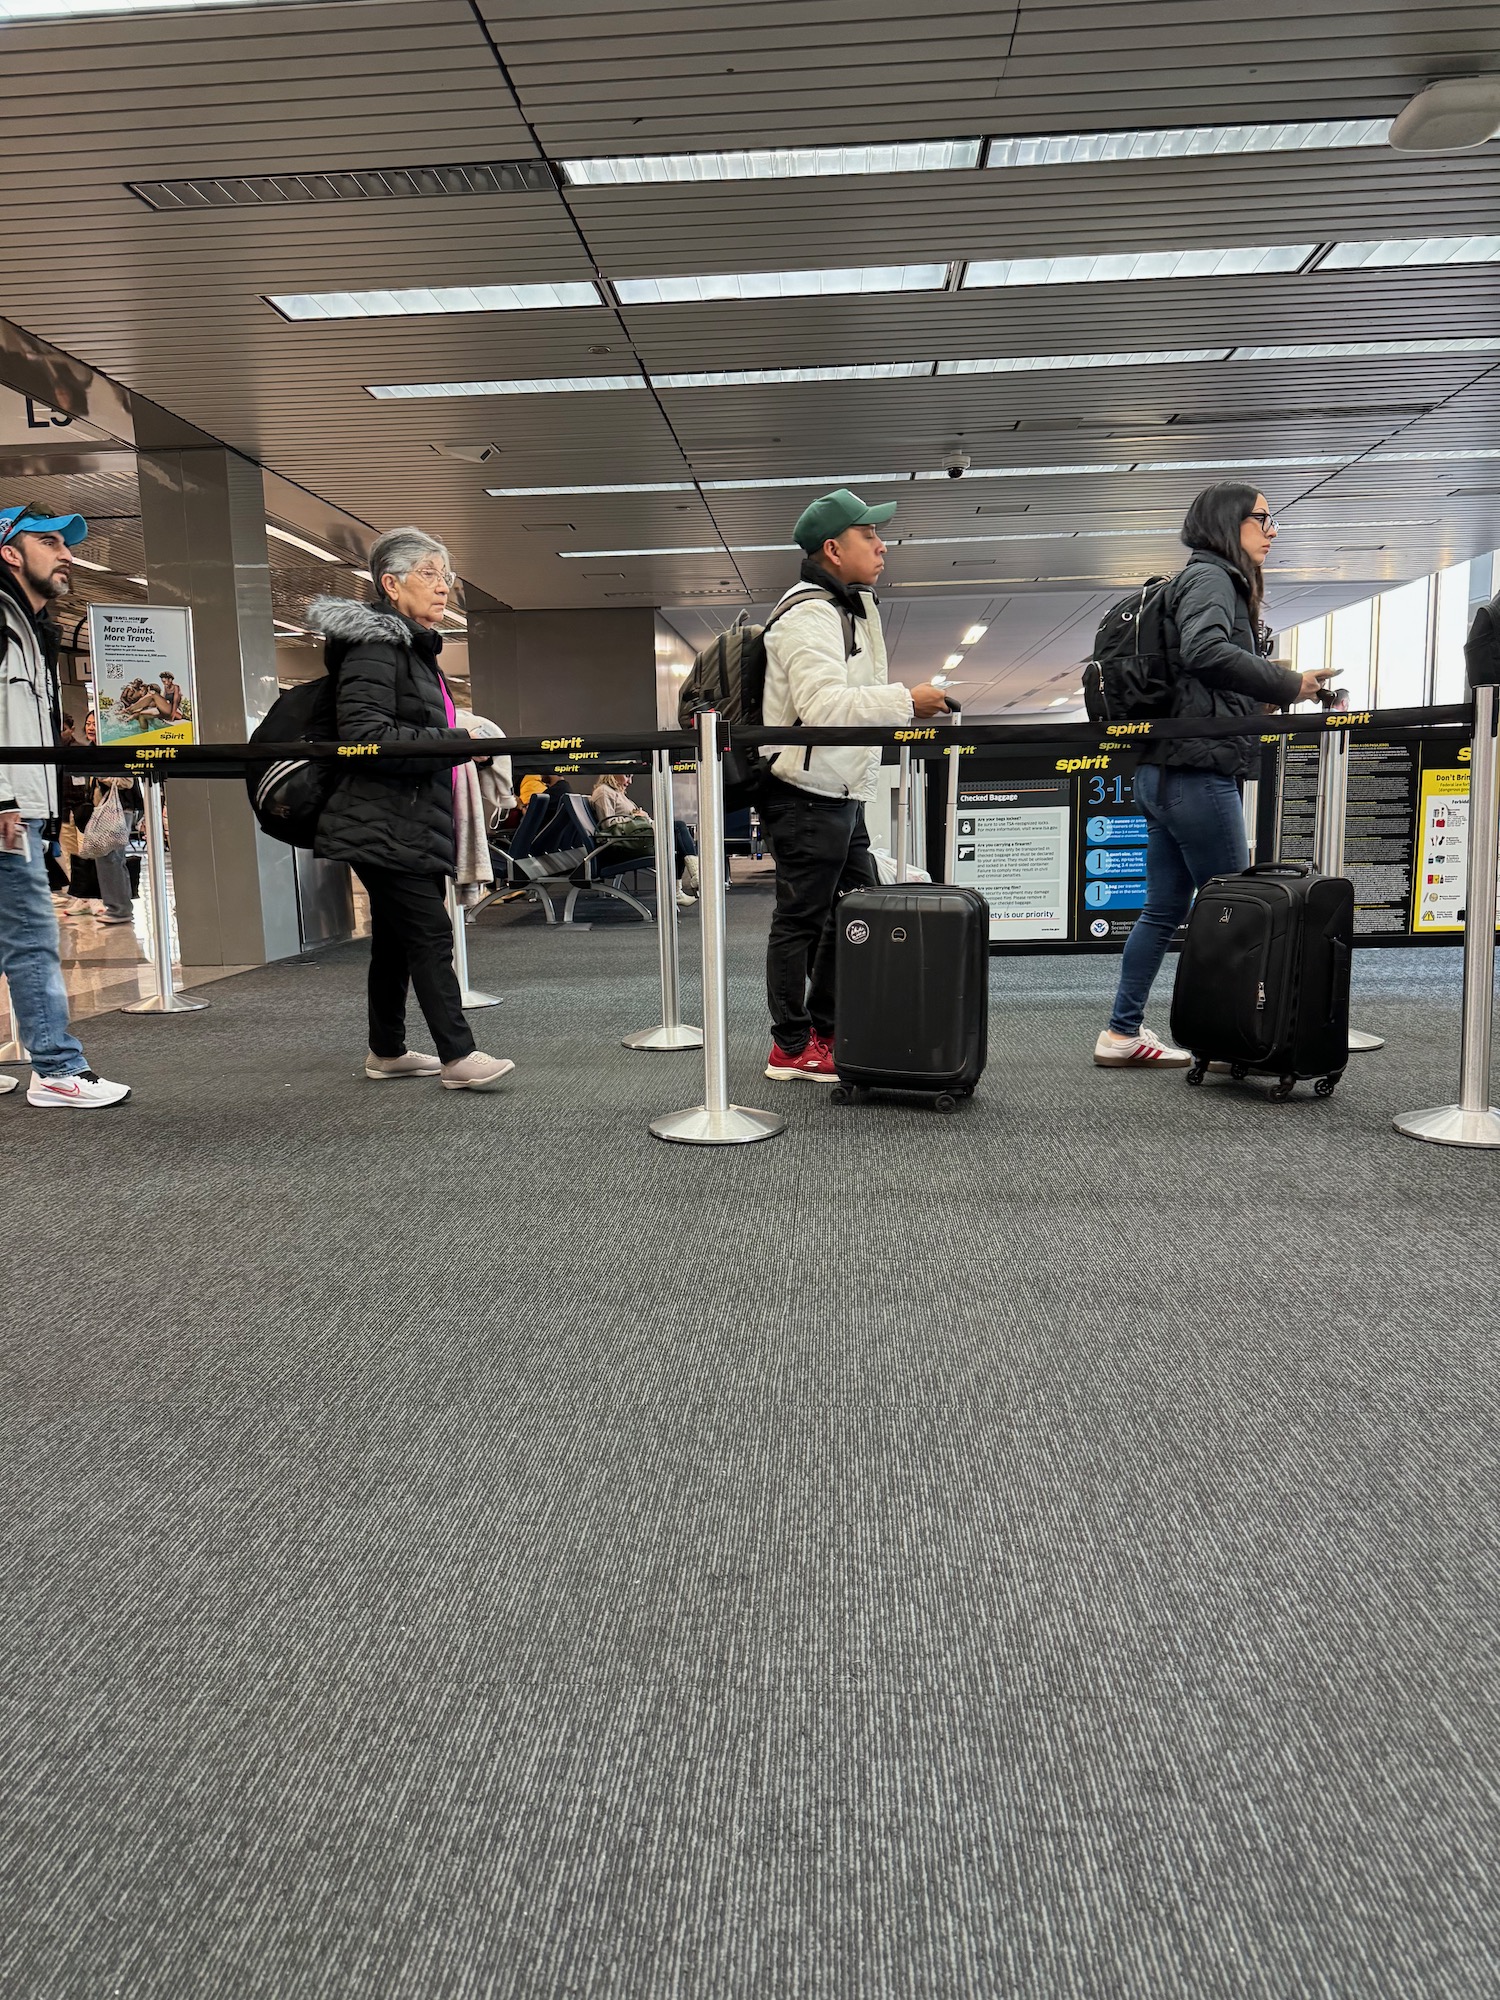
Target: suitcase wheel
[1239, 1071]
[843, 1093]
[1327, 1085]
[945, 1101]
[1285, 1087]
[1198, 1071]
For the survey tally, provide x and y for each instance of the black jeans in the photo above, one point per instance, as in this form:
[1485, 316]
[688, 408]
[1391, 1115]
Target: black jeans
[411, 944]
[821, 851]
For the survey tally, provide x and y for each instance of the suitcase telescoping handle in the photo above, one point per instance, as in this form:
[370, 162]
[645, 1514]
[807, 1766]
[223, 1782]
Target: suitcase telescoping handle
[1297, 868]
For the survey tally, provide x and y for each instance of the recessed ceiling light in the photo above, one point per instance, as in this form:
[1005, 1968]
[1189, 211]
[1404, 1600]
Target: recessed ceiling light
[1134, 265]
[973, 636]
[775, 163]
[296, 541]
[1412, 250]
[296, 631]
[82, 562]
[557, 492]
[1085, 148]
[421, 301]
[144, 582]
[708, 287]
[547, 385]
[1019, 364]
[46, 10]
[953, 660]
[1352, 350]
[343, 184]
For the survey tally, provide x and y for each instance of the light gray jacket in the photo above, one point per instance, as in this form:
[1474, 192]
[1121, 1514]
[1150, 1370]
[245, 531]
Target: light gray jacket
[809, 680]
[25, 716]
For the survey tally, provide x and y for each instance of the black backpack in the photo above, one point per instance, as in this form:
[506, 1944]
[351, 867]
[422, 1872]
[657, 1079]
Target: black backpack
[730, 675]
[1133, 672]
[288, 797]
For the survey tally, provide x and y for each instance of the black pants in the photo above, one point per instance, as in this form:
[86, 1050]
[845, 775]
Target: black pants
[821, 851]
[411, 944]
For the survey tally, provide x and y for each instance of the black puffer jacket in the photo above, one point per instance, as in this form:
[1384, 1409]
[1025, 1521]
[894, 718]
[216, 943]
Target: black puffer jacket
[1223, 671]
[396, 813]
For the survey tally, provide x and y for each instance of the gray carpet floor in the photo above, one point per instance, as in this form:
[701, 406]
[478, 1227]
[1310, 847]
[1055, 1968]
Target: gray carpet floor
[460, 1548]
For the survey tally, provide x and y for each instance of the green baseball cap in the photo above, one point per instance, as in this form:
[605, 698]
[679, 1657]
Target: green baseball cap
[830, 516]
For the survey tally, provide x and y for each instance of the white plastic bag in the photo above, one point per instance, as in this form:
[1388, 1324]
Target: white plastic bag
[108, 828]
[885, 863]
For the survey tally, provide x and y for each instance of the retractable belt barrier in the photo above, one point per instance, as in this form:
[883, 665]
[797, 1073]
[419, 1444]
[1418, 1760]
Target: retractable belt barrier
[1471, 1122]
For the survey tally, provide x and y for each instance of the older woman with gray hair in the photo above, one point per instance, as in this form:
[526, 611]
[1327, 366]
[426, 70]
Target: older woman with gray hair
[392, 819]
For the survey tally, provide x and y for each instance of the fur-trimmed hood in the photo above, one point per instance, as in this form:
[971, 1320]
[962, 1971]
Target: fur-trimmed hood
[347, 619]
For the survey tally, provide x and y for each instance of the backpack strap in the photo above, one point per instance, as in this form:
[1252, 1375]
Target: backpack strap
[846, 618]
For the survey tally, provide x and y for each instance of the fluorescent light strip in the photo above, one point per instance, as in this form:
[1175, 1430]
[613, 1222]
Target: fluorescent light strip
[554, 492]
[743, 378]
[1026, 364]
[1134, 265]
[919, 156]
[825, 483]
[1351, 350]
[1086, 148]
[426, 300]
[549, 385]
[1412, 250]
[82, 562]
[710, 287]
[52, 10]
[309, 548]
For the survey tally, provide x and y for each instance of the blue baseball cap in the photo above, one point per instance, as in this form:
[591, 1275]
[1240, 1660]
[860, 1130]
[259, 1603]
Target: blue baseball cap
[29, 520]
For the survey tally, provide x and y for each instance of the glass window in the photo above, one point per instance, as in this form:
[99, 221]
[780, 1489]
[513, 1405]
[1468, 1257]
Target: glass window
[1349, 636]
[1309, 646]
[1452, 626]
[1401, 645]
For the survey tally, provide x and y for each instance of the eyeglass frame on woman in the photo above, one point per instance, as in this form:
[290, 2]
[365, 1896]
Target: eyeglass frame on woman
[1267, 520]
[430, 575]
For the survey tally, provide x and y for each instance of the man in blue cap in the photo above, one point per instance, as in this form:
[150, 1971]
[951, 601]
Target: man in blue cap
[825, 667]
[35, 567]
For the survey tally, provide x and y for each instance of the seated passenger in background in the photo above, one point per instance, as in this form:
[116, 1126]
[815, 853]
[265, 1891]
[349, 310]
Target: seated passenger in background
[611, 801]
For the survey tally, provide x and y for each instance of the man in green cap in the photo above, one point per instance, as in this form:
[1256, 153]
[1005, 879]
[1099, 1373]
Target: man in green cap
[826, 668]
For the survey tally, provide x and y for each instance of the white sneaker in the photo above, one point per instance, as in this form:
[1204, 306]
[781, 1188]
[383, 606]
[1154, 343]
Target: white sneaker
[83, 1092]
[380, 1069]
[477, 1071]
[684, 900]
[690, 873]
[8, 1084]
[1113, 1051]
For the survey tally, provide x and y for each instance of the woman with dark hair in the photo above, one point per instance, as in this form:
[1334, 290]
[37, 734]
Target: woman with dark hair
[1189, 790]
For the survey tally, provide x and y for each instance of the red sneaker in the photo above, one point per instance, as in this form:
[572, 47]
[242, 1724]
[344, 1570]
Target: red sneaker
[815, 1063]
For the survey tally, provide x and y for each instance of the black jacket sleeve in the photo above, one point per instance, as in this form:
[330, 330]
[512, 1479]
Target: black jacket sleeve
[1204, 610]
[367, 709]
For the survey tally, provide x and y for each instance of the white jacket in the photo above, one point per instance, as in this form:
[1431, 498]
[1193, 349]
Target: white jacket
[808, 680]
[25, 715]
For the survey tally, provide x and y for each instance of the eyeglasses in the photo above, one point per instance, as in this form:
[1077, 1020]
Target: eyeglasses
[1267, 522]
[433, 573]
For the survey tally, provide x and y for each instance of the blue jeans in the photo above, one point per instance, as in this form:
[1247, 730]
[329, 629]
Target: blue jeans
[28, 958]
[114, 882]
[1195, 827]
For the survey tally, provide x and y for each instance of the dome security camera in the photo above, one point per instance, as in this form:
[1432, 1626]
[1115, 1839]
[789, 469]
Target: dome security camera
[956, 464]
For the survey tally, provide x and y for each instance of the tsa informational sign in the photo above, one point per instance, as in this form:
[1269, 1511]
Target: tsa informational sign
[141, 661]
[1012, 845]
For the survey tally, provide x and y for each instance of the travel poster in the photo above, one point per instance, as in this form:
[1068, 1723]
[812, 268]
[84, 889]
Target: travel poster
[141, 663]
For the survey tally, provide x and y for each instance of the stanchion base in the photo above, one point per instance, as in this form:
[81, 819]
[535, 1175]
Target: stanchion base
[1359, 1041]
[470, 997]
[664, 1038]
[15, 1052]
[732, 1127]
[1451, 1125]
[165, 1003]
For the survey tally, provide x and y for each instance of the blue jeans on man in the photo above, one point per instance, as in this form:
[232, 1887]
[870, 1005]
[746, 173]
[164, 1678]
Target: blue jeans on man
[30, 963]
[1195, 829]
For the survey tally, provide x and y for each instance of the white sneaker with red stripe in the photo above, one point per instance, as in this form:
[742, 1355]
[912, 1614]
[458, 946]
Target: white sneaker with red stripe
[1137, 1051]
[83, 1092]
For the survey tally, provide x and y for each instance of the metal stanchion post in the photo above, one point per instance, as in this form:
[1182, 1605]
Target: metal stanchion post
[903, 814]
[950, 837]
[468, 996]
[1474, 1121]
[1330, 813]
[166, 999]
[1250, 805]
[917, 852]
[672, 1033]
[714, 1122]
[15, 1050]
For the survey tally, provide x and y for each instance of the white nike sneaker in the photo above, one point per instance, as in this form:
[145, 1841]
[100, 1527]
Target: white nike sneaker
[1136, 1051]
[83, 1092]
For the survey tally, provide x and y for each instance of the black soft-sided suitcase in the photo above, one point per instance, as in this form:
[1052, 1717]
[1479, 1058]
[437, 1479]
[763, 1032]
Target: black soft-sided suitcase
[913, 987]
[1263, 980]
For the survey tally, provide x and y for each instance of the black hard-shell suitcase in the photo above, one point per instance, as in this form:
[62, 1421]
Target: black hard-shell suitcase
[913, 991]
[1263, 980]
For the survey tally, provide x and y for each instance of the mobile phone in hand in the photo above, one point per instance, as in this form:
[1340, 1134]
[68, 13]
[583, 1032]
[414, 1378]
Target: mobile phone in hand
[17, 841]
